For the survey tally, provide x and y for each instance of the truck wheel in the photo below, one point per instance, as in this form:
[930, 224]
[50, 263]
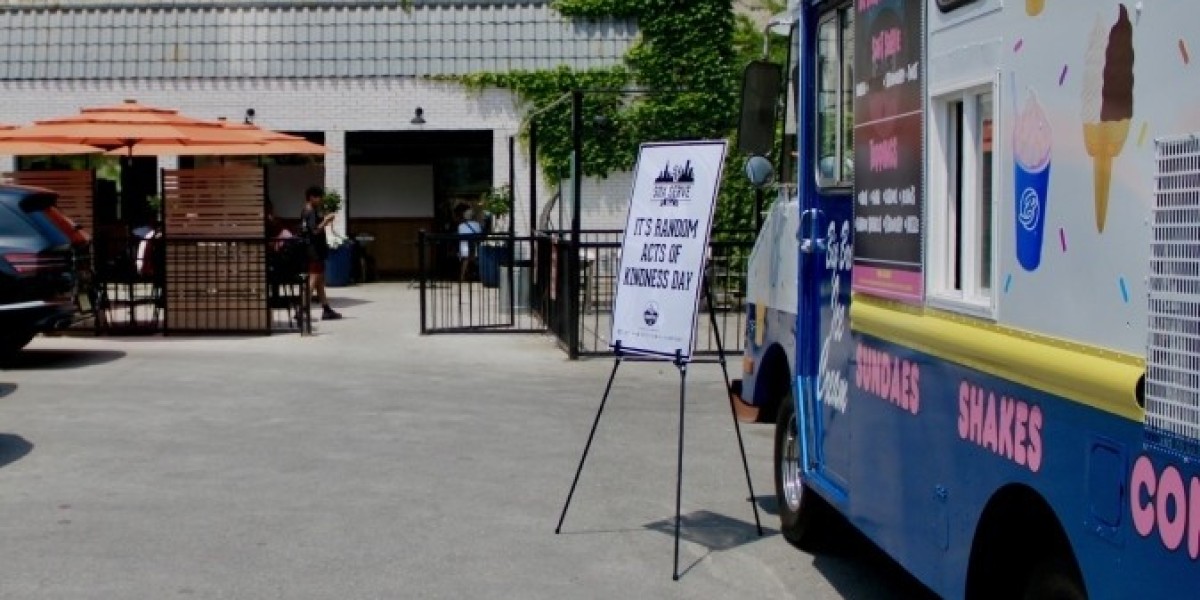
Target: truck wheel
[1055, 579]
[11, 342]
[804, 515]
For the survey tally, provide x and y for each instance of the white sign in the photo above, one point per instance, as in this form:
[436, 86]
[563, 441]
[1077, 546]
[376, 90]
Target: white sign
[666, 240]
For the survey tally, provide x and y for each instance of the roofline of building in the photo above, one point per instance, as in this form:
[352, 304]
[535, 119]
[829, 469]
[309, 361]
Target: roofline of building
[80, 5]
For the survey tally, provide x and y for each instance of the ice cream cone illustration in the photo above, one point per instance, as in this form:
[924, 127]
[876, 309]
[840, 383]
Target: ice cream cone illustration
[1034, 8]
[1107, 103]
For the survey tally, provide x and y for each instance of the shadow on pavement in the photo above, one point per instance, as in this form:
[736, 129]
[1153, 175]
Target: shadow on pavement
[848, 554]
[7, 388]
[34, 359]
[13, 448]
[340, 302]
[768, 504]
[712, 531]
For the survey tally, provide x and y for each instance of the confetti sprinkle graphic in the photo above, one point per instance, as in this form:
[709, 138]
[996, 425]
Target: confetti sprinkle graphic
[1124, 291]
[1021, 42]
[1142, 133]
[1062, 76]
[1007, 282]
[1183, 51]
[1062, 238]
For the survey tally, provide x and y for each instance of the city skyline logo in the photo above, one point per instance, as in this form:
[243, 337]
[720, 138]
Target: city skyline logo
[674, 184]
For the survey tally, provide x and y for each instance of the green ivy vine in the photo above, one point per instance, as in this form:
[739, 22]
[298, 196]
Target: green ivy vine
[686, 66]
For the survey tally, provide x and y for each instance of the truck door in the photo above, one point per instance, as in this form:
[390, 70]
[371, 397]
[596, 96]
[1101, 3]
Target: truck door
[823, 342]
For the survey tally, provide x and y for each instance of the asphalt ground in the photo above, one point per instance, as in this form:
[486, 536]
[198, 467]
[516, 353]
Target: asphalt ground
[369, 461]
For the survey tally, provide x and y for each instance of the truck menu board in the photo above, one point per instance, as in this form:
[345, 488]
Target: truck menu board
[888, 70]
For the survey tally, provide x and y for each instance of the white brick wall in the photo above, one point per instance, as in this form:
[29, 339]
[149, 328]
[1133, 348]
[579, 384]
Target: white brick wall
[334, 106]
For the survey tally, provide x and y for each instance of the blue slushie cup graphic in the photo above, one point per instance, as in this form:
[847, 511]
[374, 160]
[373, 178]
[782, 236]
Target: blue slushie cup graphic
[1031, 180]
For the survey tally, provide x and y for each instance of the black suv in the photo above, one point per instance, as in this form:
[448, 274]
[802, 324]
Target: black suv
[44, 267]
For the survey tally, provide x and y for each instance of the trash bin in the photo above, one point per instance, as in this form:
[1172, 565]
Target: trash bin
[522, 271]
[339, 265]
[491, 256]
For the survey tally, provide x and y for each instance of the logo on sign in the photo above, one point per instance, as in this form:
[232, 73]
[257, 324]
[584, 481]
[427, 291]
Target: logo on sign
[650, 315]
[1031, 209]
[674, 183]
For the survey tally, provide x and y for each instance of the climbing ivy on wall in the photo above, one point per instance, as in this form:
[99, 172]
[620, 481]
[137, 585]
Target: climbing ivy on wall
[688, 62]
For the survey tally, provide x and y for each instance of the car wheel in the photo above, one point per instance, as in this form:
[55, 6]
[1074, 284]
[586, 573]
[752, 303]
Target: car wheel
[11, 342]
[804, 516]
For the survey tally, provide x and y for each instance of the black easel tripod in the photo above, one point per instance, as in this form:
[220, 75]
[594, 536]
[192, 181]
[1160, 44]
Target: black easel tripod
[680, 363]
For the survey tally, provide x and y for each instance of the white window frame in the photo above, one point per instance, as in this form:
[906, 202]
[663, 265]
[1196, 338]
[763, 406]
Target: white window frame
[973, 298]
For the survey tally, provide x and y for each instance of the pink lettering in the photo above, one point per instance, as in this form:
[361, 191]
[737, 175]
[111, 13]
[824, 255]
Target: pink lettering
[1142, 480]
[1194, 521]
[1006, 426]
[1035, 439]
[989, 424]
[1159, 500]
[914, 388]
[964, 419]
[859, 359]
[889, 378]
[886, 44]
[1020, 435]
[977, 415]
[885, 155]
[1007, 412]
[894, 394]
[866, 5]
[1171, 495]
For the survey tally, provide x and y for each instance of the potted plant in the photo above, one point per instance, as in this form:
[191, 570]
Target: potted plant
[339, 263]
[496, 204]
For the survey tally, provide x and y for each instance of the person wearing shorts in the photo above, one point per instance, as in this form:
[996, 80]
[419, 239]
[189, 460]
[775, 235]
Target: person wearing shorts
[312, 225]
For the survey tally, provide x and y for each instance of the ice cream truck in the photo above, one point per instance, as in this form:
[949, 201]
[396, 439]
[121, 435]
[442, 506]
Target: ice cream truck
[976, 323]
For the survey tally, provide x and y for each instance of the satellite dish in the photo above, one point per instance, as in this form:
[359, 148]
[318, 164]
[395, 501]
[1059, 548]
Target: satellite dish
[759, 171]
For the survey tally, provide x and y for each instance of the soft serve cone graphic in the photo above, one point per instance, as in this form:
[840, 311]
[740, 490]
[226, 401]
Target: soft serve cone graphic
[1107, 103]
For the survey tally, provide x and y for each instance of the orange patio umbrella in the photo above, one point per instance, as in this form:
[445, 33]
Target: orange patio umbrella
[38, 148]
[126, 126]
[268, 142]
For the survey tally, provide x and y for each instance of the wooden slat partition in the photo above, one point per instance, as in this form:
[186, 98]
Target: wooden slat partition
[216, 276]
[75, 190]
[220, 202]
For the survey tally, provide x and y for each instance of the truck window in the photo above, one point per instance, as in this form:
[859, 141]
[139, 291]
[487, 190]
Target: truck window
[835, 98]
[961, 240]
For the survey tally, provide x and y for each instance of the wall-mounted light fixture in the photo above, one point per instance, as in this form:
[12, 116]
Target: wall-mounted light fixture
[418, 116]
[249, 119]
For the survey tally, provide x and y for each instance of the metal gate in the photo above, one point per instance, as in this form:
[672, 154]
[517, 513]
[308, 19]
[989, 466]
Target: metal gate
[477, 284]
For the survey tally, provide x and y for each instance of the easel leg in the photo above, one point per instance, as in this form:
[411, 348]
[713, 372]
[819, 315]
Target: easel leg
[737, 427]
[586, 447]
[682, 365]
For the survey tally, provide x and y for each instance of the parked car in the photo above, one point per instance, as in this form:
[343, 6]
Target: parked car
[45, 267]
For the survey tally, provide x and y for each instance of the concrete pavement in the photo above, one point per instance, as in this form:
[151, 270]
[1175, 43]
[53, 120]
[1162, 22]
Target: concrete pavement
[371, 462]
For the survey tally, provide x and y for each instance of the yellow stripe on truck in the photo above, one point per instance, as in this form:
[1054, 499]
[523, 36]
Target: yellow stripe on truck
[1089, 375]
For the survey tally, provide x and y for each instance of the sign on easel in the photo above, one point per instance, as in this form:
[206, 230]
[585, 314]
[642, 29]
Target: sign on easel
[666, 241]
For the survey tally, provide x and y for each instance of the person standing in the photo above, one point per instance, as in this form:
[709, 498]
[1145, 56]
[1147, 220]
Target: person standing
[312, 226]
[469, 231]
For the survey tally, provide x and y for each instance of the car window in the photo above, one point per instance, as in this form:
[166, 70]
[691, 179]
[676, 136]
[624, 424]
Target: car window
[13, 224]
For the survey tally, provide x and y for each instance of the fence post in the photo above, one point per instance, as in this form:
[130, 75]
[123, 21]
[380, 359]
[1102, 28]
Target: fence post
[576, 247]
[421, 274]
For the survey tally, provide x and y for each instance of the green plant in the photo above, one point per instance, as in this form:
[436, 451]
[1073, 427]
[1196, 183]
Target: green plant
[331, 202]
[498, 200]
[687, 65]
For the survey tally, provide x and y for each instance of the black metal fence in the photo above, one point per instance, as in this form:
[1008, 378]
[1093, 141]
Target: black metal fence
[477, 284]
[551, 283]
[581, 281]
[164, 285]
